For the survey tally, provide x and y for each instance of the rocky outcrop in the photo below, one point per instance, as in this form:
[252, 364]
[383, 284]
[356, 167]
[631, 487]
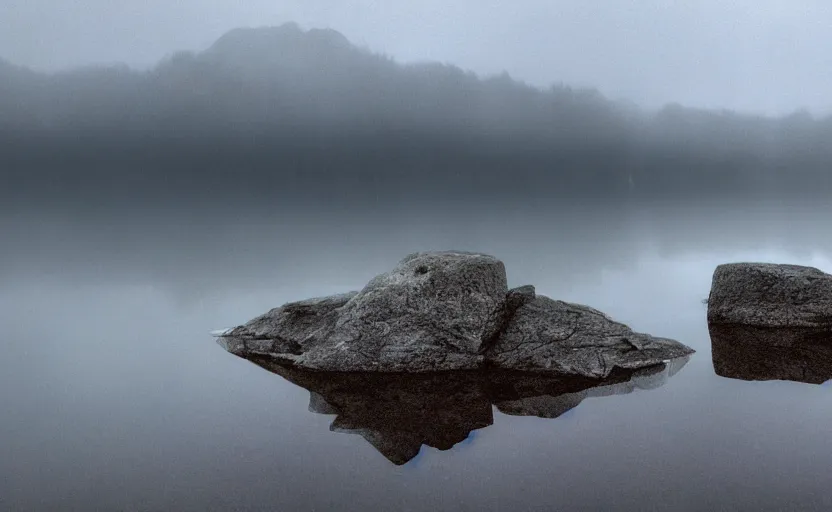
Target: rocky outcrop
[432, 312]
[399, 413]
[439, 311]
[770, 295]
[571, 339]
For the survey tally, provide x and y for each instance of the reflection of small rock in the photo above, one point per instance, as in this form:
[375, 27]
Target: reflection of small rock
[759, 353]
[438, 311]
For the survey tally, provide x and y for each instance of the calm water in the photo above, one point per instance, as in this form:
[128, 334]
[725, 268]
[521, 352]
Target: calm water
[114, 397]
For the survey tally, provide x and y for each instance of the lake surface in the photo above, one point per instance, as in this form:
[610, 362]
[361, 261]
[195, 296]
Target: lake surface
[113, 395]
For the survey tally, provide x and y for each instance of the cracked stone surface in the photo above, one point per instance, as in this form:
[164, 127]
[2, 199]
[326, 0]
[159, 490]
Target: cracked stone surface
[433, 311]
[770, 295]
[572, 339]
[451, 310]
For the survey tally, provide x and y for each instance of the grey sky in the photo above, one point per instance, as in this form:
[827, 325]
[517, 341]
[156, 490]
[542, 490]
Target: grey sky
[768, 56]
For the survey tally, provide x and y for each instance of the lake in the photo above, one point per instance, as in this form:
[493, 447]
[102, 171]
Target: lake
[113, 395]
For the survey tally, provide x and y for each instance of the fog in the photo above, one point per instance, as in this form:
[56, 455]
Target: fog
[309, 113]
[764, 56]
[290, 142]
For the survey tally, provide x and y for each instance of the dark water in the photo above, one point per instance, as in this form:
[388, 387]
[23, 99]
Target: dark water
[113, 396]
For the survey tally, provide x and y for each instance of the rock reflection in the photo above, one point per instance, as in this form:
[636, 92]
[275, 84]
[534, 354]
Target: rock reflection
[398, 413]
[759, 353]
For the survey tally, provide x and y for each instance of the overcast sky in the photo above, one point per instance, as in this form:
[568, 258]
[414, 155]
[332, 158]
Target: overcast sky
[769, 56]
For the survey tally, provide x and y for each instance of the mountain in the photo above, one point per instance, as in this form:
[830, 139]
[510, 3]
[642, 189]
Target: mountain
[281, 94]
[269, 78]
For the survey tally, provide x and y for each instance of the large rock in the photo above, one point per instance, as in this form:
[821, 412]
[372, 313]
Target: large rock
[770, 295]
[441, 311]
[434, 311]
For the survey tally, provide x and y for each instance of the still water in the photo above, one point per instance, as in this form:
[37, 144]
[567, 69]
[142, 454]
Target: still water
[113, 395]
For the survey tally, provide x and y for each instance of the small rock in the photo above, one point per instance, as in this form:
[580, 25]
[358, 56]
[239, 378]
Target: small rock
[770, 295]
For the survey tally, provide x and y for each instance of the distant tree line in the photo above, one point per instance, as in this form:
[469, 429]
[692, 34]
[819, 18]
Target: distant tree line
[296, 101]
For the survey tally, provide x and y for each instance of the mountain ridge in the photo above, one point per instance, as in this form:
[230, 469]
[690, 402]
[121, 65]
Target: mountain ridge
[274, 44]
[307, 101]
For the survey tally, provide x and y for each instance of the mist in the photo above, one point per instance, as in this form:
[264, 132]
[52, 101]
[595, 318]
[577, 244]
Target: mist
[307, 115]
[764, 56]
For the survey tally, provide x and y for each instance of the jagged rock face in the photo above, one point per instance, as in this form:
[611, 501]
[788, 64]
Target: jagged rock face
[431, 307]
[560, 337]
[292, 328]
[770, 295]
[433, 311]
[442, 311]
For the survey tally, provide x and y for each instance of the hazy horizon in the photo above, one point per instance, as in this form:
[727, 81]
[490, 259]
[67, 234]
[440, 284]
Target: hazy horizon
[752, 57]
